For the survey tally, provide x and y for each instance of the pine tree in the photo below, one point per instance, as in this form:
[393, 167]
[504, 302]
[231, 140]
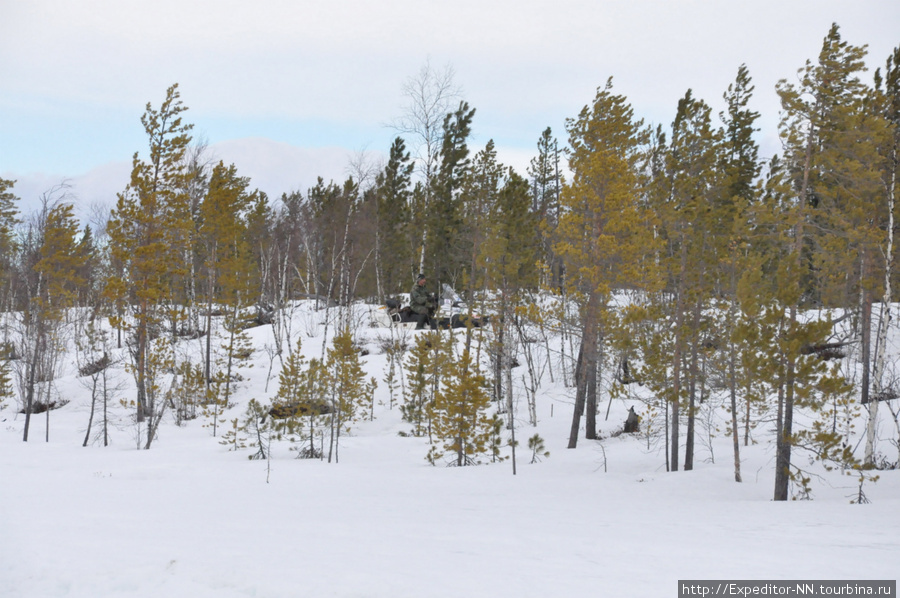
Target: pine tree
[819, 116]
[52, 282]
[740, 152]
[537, 448]
[262, 244]
[740, 170]
[394, 256]
[291, 390]
[300, 402]
[89, 258]
[189, 391]
[446, 253]
[426, 371]
[350, 394]
[60, 260]
[477, 199]
[546, 184]
[233, 437]
[511, 247]
[825, 126]
[331, 211]
[147, 232]
[417, 395]
[235, 353]
[8, 222]
[604, 231]
[887, 99]
[231, 282]
[695, 216]
[259, 428]
[460, 424]
[59, 271]
[509, 257]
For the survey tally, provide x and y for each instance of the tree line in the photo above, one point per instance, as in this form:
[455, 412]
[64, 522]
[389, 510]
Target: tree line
[682, 259]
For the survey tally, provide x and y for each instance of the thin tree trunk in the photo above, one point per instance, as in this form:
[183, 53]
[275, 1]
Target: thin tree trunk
[501, 353]
[666, 436]
[512, 418]
[677, 358]
[692, 392]
[735, 437]
[532, 372]
[865, 344]
[884, 321]
[590, 407]
[105, 411]
[29, 402]
[141, 365]
[29, 388]
[589, 369]
[234, 317]
[747, 417]
[208, 356]
[155, 418]
[785, 429]
[579, 397]
[786, 414]
[87, 433]
[47, 418]
[675, 398]
[732, 382]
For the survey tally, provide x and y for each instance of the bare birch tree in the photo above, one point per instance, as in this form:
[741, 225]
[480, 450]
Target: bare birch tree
[430, 95]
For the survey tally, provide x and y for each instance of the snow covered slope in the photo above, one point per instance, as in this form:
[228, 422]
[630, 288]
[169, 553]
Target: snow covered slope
[188, 518]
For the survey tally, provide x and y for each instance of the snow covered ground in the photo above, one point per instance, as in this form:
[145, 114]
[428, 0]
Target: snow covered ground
[188, 518]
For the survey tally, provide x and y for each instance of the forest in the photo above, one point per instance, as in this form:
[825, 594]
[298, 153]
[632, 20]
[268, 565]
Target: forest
[674, 257]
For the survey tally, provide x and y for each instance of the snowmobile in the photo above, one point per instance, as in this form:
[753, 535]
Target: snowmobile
[448, 311]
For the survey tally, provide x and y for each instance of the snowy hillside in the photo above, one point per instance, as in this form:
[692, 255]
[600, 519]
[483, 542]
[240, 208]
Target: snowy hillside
[191, 518]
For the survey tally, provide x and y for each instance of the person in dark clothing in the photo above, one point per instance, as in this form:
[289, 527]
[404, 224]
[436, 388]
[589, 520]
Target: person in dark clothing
[632, 422]
[421, 304]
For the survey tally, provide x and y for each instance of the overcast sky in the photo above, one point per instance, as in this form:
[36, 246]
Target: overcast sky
[291, 89]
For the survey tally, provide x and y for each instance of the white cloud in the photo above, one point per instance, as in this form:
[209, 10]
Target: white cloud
[524, 65]
[96, 188]
[276, 168]
[273, 167]
[348, 59]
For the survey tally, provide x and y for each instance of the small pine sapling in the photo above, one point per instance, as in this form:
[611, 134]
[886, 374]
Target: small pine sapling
[348, 390]
[191, 385]
[425, 373]
[393, 377]
[5, 383]
[538, 450]
[460, 424]
[257, 426]
[292, 398]
[313, 379]
[417, 393]
[497, 439]
[212, 401]
[861, 498]
[233, 438]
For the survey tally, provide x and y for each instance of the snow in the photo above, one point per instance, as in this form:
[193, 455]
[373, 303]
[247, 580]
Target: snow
[188, 518]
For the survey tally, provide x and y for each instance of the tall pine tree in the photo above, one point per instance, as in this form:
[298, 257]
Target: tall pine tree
[604, 231]
[446, 261]
[147, 232]
[819, 115]
[394, 259]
